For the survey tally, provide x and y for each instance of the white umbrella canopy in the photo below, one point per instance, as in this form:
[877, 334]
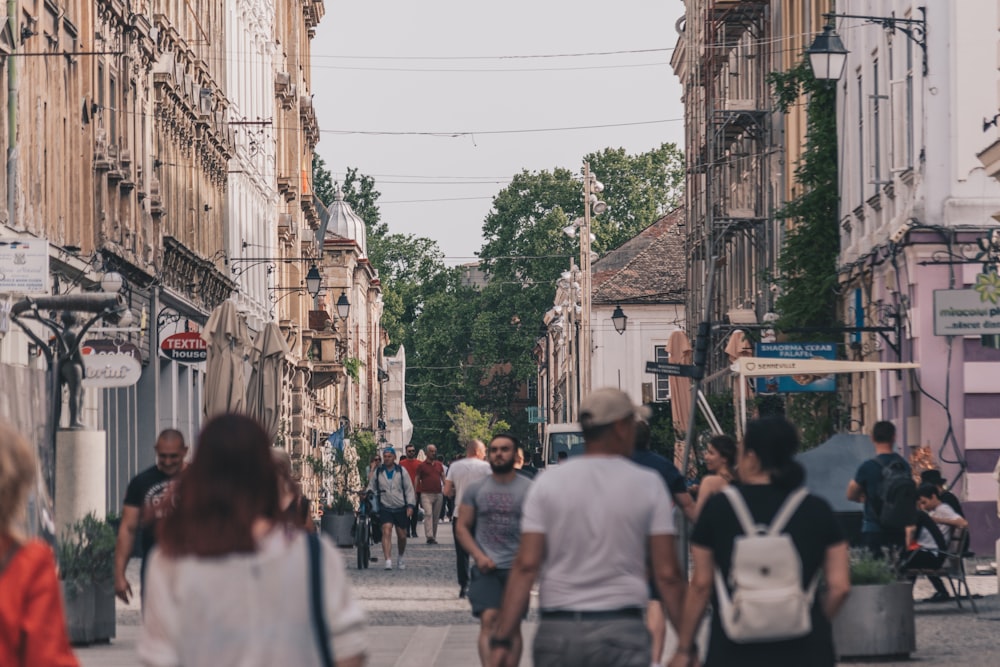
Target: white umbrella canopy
[225, 380]
[264, 388]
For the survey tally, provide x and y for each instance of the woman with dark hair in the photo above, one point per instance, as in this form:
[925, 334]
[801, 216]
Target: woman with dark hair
[769, 476]
[230, 581]
[720, 459]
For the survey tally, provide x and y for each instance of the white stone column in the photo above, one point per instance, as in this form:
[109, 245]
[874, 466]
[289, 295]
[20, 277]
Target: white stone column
[81, 472]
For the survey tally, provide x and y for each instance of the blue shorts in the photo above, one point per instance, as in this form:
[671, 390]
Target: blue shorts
[396, 517]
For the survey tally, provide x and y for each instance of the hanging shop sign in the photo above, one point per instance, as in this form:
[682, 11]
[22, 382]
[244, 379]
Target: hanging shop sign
[109, 364]
[187, 346]
[968, 312]
[800, 382]
[24, 266]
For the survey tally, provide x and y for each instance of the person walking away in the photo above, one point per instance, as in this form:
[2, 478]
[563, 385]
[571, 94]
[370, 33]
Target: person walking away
[430, 484]
[720, 459]
[410, 462]
[676, 486]
[447, 504]
[32, 619]
[147, 501]
[527, 470]
[588, 528]
[870, 486]
[231, 583]
[394, 494]
[296, 508]
[461, 473]
[752, 624]
[490, 530]
[932, 533]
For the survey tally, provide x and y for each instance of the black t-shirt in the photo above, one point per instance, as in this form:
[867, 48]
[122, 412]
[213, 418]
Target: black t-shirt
[813, 528]
[148, 492]
[668, 471]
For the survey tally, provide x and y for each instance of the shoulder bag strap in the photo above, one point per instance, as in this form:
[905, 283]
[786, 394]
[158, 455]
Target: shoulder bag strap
[788, 508]
[740, 509]
[316, 599]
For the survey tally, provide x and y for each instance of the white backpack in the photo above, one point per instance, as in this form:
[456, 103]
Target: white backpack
[768, 603]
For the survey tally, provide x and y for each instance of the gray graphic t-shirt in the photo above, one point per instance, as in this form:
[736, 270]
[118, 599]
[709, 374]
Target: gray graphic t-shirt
[498, 516]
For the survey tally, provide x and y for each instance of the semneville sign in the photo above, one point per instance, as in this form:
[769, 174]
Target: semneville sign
[965, 312]
[24, 266]
[186, 346]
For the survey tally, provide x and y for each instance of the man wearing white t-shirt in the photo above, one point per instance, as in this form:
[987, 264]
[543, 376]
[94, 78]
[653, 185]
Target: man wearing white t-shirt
[588, 529]
[460, 475]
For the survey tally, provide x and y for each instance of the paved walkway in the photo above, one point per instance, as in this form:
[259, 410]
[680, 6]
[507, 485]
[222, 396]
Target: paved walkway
[417, 620]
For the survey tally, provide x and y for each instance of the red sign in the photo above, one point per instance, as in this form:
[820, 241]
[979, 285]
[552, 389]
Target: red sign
[187, 346]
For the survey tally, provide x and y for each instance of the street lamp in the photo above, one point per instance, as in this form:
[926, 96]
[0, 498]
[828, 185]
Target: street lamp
[112, 282]
[827, 55]
[314, 281]
[591, 204]
[343, 305]
[619, 319]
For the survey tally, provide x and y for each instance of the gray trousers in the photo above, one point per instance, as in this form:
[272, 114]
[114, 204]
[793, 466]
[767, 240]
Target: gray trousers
[568, 643]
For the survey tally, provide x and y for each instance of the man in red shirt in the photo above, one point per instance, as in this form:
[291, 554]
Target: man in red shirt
[430, 482]
[410, 463]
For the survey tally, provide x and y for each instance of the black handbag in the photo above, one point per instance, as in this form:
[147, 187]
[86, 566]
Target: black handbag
[316, 588]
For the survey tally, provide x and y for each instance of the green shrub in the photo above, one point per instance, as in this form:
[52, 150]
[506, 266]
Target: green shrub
[868, 570]
[86, 552]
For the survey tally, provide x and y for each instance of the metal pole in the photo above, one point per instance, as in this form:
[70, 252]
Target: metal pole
[585, 337]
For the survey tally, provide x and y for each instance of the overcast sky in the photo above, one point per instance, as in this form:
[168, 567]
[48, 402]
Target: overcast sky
[372, 62]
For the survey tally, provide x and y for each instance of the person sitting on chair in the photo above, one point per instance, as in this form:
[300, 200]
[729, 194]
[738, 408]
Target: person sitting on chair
[933, 531]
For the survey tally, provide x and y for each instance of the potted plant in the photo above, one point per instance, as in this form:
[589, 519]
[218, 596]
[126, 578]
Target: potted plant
[877, 620]
[86, 556]
[335, 469]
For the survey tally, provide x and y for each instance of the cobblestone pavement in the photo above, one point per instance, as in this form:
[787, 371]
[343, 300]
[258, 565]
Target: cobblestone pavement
[417, 620]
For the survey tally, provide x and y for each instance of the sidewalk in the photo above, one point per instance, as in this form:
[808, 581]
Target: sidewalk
[417, 620]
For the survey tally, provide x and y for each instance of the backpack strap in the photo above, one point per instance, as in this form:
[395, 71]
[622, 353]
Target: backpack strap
[784, 514]
[740, 509]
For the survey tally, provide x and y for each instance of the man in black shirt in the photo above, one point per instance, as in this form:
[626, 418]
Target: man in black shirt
[145, 503]
[866, 488]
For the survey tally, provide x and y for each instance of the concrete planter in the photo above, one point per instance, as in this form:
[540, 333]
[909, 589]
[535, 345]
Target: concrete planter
[876, 621]
[90, 612]
[338, 527]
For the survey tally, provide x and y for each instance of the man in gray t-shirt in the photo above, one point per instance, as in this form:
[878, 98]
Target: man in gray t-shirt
[489, 528]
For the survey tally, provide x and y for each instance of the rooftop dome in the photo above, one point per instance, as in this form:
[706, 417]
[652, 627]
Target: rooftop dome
[345, 223]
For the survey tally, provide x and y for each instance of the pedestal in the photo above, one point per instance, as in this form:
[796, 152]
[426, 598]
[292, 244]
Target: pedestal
[81, 472]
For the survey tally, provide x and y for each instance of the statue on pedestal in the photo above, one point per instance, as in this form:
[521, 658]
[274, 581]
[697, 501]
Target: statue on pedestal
[70, 367]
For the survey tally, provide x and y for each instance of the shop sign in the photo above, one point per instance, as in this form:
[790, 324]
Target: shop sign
[24, 266]
[966, 312]
[187, 346]
[109, 365]
[800, 382]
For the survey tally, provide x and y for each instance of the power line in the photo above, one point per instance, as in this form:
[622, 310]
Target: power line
[524, 131]
[470, 70]
[507, 57]
[421, 201]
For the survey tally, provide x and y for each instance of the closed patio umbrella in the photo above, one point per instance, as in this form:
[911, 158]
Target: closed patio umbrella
[264, 389]
[225, 380]
[679, 351]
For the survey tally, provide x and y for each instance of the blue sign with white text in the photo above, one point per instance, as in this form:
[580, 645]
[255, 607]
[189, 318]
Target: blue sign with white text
[806, 382]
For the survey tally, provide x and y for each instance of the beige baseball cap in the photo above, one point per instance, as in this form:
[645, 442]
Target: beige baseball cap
[608, 405]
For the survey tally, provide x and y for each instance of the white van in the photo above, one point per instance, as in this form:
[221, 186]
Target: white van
[561, 438]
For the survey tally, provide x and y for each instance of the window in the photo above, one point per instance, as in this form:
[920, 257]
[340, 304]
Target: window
[876, 126]
[908, 125]
[662, 381]
[861, 139]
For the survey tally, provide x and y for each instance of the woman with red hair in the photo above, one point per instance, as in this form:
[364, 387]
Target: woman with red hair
[231, 581]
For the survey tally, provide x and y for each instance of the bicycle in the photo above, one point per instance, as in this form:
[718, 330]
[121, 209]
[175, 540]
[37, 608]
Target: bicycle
[364, 533]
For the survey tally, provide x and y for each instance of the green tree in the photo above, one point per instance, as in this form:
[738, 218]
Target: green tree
[323, 186]
[808, 258]
[468, 423]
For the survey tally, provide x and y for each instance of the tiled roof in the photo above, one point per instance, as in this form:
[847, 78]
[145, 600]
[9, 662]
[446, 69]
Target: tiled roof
[648, 268]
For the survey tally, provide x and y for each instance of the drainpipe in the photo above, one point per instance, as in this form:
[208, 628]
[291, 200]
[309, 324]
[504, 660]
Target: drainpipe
[12, 13]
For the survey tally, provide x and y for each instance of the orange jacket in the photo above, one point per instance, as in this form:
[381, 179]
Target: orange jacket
[32, 620]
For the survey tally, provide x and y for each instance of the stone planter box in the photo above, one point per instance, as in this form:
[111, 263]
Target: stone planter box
[876, 621]
[90, 612]
[338, 527]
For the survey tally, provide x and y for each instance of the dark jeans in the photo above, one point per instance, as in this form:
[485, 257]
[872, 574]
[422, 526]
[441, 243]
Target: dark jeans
[415, 519]
[922, 559]
[461, 559]
[876, 543]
